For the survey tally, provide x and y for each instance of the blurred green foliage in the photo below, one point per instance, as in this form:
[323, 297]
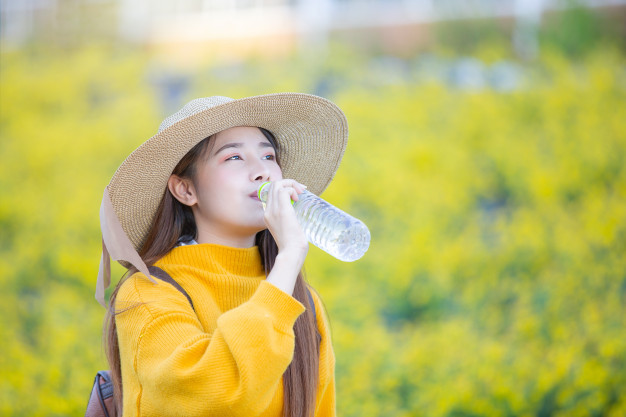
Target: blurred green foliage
[495, 283]
[577, 30]
[574, 31]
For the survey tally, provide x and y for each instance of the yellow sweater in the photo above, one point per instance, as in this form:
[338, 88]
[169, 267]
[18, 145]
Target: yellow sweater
[225, 359]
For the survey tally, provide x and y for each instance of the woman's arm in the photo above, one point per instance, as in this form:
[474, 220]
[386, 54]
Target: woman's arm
[282, 223]
[171, 366]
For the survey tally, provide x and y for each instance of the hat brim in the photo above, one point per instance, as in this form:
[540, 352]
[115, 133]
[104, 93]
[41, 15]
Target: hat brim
[311, 132]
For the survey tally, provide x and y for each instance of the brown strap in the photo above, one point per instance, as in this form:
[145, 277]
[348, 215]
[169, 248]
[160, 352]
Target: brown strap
[116, 245]
[164, 276]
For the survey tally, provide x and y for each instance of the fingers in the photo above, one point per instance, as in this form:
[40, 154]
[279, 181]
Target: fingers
[286, 188]
[280, 216]
[299, 189]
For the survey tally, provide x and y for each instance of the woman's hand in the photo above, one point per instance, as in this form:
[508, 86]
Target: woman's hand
[282, 223]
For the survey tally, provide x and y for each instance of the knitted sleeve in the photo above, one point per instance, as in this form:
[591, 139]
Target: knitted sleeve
[179, 369]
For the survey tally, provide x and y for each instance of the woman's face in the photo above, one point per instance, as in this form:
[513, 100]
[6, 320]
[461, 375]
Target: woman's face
[227, 209]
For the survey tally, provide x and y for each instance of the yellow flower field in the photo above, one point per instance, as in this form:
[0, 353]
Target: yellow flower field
[495, 284]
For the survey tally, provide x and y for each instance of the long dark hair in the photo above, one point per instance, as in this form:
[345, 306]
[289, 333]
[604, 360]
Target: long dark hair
[174, 221]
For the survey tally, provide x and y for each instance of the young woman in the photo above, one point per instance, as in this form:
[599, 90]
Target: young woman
[252, 338]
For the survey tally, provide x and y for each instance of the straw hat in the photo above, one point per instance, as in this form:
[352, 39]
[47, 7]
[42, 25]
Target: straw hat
[311, 132]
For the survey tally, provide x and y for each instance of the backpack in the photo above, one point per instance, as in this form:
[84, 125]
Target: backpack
[101, 402]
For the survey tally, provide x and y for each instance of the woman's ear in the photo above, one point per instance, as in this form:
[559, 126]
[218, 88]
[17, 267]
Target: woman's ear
[182, 189]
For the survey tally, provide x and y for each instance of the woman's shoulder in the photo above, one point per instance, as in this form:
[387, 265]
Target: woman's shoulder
[134, 284]
[154, 294]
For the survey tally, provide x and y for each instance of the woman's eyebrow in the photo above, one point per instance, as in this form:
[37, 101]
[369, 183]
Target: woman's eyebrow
[229, 145]
[236, 145]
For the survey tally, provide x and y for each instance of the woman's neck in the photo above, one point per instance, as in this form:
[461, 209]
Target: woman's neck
[232, 240]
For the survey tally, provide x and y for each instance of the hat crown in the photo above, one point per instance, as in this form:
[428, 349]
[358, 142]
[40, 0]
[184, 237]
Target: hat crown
[193, 107]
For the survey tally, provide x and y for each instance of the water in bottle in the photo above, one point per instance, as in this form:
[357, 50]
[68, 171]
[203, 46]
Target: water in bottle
[327, 227]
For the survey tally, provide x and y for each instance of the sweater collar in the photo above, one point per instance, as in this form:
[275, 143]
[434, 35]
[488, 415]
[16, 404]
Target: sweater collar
[218, 259]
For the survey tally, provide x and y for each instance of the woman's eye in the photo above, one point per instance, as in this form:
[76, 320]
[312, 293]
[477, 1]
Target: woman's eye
[233, 158]
[269, 157]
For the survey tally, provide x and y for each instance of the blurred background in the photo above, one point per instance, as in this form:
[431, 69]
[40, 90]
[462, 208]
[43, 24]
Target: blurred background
[487, 155]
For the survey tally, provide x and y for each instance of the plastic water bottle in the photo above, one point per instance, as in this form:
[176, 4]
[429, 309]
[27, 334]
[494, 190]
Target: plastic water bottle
[327, 227]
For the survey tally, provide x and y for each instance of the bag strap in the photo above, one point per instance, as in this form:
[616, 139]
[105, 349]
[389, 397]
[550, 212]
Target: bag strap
[164, 276]
[312, 305]
[104, 390]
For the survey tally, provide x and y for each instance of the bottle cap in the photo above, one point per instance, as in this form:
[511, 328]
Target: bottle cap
[261, 189]
[264, 197]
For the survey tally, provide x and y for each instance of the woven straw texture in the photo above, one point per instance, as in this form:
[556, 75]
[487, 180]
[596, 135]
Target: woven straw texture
[311, 132]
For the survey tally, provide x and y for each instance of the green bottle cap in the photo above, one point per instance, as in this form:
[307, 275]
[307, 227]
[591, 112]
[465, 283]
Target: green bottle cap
[261, 191]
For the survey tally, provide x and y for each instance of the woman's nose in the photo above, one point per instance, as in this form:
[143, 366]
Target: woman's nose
[259, 172]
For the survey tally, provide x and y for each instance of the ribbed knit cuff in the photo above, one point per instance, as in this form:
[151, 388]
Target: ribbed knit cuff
[286, 308]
